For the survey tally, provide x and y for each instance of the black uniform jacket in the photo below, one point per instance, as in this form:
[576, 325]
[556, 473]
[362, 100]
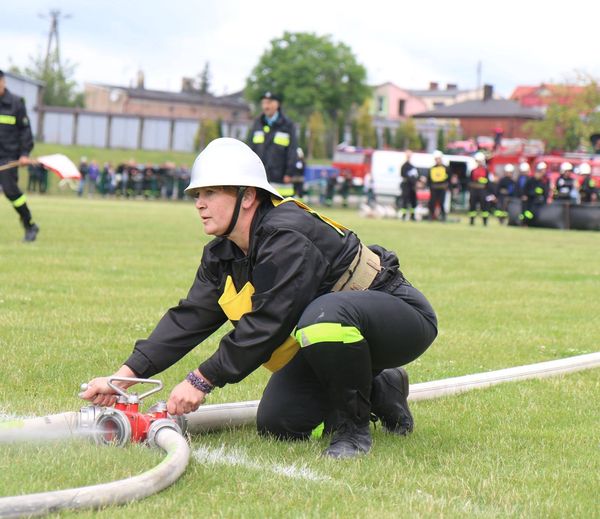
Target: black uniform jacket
[275, 145]
[15, 131]
[536, 190]
[294, 256]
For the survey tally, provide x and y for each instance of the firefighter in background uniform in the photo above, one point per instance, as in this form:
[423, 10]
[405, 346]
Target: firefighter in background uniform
[535, 194]
[16, 143]
[273, 139]
[408, 186]
[437, 180]
[588, 190]
[566, 185]
[330, 317]
[505, 190]
[298, 176]
[524, 174]
[478, 190]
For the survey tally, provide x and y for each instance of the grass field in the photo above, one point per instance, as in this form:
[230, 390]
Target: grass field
[103, 272]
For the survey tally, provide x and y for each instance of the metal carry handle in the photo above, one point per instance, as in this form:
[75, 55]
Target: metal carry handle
[122, 392]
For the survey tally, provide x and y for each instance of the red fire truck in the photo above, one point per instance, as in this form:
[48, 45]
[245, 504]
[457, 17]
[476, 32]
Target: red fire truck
[353, 163]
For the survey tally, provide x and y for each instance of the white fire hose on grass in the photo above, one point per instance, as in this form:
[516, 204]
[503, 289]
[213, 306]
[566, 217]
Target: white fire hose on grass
[165, 433]
[115, 493]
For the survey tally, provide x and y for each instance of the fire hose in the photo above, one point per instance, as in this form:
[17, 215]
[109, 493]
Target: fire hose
[123, 423]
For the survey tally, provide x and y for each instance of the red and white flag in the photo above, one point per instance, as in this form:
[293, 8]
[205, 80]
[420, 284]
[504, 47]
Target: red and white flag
[61, 165]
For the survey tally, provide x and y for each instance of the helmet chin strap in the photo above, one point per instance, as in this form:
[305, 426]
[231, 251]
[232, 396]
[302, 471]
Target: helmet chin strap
[236, 212]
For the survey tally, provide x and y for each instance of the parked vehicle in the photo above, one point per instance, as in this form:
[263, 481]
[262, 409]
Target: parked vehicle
[353, 163]
[385, 171]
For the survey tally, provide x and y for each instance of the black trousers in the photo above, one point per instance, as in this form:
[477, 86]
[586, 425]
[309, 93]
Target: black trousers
[477, 198]
[409, 197]
[437, 197]
[9, 180]
[328, 377]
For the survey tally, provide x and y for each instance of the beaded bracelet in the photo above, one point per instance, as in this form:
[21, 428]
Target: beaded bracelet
[199, 383]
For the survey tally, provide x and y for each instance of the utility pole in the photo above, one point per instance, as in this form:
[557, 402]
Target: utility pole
[55, 15]
[479, 75]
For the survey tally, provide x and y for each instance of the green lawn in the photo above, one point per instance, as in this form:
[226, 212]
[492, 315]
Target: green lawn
[103, 272]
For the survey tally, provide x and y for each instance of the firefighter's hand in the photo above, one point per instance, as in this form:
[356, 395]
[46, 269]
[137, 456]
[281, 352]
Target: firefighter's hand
[99, 393]
[24, 160]
[184, 398]
[287, 179]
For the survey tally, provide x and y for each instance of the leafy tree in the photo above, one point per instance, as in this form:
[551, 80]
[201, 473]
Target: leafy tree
[559, 128]
[204, 79]
[316, 138]
[60, 89]
[341, 131]
[207, 132]
[311, 73]
[407, 137]
[364, 126]
[452, 134]
[441, 139]
[354, 132]
[302, 137]
[387, 137]
[570, 118]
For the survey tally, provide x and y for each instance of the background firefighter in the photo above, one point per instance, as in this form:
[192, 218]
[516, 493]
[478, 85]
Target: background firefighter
[408, 187]
[438, 182]
[478, 190]
[273, 139]
[535, 195]
[275, 268]
[505, 190]
[16, 143]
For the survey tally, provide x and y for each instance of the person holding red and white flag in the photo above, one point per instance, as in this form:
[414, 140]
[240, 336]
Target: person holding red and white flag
[16, 143]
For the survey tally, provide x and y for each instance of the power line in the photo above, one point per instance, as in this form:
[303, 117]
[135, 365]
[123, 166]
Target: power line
[55, 16]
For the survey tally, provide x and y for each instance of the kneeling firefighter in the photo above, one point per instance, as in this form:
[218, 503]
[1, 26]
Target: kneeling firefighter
[329, 316]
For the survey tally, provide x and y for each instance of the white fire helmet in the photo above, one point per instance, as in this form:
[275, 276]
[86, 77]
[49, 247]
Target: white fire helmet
[566, 166]
[585, 168]
[524, 167]
[479, 157]
[541, 166]
[437, 154]
[509, 168]
[228, 162]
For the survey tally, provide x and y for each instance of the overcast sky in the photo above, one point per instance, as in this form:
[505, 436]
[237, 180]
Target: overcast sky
[408, 43]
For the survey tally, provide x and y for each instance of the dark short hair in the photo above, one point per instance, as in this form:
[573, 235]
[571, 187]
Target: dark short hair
[1, 73]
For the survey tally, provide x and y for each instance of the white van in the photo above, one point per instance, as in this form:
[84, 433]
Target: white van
[385, 169]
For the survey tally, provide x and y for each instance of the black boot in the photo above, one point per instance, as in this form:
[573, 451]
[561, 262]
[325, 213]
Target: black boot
[389, 401]
[31, 232]
[349, 440]
[352, 434]
[344, 370]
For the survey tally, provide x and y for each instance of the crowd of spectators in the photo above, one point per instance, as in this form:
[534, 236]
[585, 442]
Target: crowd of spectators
[133, 180]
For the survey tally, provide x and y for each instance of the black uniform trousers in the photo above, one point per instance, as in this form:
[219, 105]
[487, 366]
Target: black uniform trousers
[437, 197]
[9, 180]
[332, 377]
[477, 197]
[409, 198]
